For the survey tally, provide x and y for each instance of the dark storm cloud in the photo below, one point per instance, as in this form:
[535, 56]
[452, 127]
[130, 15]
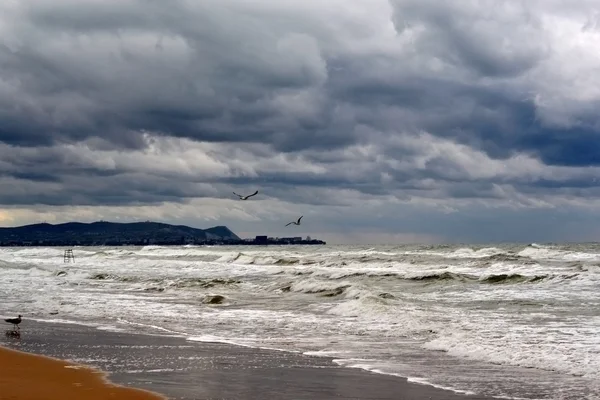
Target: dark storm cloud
[200, 71]
[499, 46]
[124, 189]
[415, 98]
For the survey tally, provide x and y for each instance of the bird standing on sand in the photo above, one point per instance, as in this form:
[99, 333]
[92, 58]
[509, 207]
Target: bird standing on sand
[14, 321]
[245, 197]
[295, 222]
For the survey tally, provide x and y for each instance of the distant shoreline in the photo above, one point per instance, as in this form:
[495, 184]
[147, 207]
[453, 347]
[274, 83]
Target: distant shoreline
[240, 243]
[103, 233]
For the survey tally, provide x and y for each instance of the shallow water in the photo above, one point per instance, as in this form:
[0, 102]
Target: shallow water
[513, 321]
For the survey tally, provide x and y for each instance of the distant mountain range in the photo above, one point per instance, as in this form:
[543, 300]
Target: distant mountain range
[113, 234]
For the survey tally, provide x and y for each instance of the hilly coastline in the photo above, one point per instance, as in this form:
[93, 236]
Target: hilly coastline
[113, 234]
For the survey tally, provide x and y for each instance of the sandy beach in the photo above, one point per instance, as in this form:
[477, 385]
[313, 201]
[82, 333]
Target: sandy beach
[27, 376]
[180, 369]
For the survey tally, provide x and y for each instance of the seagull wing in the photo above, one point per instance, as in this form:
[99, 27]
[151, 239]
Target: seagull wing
[289, 223]
[253, 194]
[237, 195]
[300, 219]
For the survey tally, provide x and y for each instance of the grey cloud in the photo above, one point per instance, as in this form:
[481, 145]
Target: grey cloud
[226, 72]
[448, 103]
[124, 189]
[107, 70]
[489, 38]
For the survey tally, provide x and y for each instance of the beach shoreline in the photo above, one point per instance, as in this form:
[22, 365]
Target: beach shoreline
[29, 376]
[184, 370]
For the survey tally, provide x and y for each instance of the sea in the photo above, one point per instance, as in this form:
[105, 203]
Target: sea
[508, 321]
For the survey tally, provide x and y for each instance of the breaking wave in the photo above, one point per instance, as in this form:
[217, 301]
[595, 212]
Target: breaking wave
[359, 302]
[179, 283]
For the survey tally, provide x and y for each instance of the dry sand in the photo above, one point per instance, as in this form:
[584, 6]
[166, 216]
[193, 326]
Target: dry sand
[26, 376]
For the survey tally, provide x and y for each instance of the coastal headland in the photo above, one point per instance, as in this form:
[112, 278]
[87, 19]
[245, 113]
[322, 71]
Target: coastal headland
[104, 233]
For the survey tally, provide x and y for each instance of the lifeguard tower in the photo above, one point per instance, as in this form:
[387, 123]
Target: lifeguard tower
[69, 257]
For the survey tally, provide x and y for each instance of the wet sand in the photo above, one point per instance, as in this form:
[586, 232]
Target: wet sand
[185, 370]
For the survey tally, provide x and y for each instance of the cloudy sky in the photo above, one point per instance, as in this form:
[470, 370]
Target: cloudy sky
[378, 120]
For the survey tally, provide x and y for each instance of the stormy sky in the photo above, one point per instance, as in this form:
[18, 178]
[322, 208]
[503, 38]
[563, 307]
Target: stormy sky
[380, 121]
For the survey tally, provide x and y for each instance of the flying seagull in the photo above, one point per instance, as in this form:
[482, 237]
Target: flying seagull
[245, 197]
[14, 321]
[295, 222]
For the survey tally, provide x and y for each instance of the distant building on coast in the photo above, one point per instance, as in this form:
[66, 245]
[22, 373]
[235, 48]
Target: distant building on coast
[265, 240]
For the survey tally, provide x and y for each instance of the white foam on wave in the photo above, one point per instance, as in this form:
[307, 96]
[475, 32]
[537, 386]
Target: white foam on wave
[110, 328]
[464, 252]
[155, 370]
[64, 321]
[153, 247]
[236, 342]
[363, 307]
[373, 366]
[366, 364]
[317, 286]
[561, 351]
[470, 253]
[422, 381]
[325, 353]
[550, 253]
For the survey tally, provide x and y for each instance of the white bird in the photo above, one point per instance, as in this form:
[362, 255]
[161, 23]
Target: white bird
[245, 197]
[295, 222]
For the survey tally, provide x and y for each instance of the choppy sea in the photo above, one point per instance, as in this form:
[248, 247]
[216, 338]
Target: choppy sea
[510, 321]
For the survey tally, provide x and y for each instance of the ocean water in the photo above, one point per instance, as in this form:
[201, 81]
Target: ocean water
[506, 321]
